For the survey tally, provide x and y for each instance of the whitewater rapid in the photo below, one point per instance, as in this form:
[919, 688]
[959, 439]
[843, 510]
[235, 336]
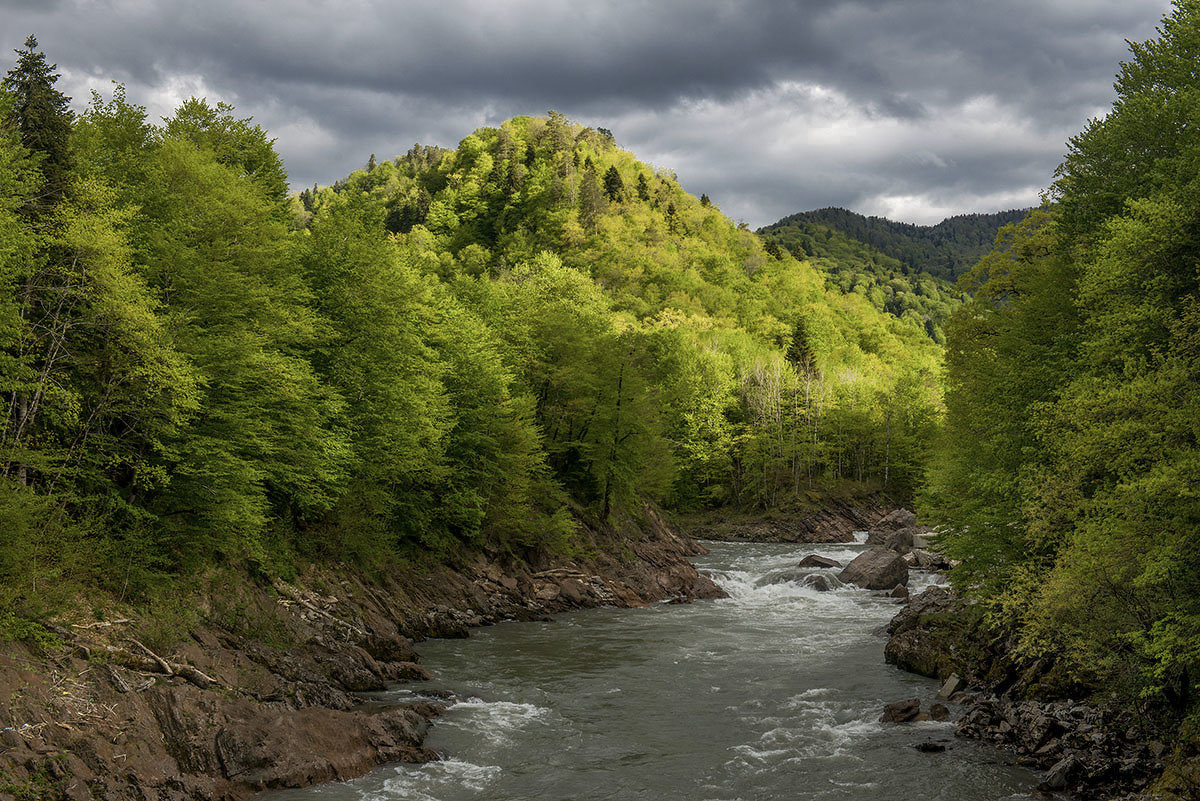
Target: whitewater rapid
[772, 693]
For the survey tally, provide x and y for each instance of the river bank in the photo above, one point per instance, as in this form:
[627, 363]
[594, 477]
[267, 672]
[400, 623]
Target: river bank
[1082, 744]
[773, 693]
[265, 690]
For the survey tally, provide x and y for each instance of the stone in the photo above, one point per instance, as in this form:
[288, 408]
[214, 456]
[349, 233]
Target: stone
[815, 560]
[901, 711]
[817, 582]
[900, 518]
[572, 590]
[899, 591]
[1060, 774]
[928, 560]
[939, 712]
[952, 685]
[930, 748]
[876, 569]
[899, 540]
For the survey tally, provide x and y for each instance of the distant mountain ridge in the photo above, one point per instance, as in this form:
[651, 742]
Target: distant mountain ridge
[946, 250]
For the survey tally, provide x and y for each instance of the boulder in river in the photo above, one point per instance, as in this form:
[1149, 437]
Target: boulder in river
[901, 711]
[815, 560]
[899, 540]
[899, 591]
[820, 582]
[900, 518]
[876, 569]
[939, 712]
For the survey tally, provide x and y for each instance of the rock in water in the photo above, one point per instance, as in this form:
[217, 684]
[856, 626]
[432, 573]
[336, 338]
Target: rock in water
[901, 711]
[928, 560]
[939, 712]
[899, 591]
[876, 569]
[813, 560]
[900, 540]
[817, 582]
[930, 748]
[901, 518]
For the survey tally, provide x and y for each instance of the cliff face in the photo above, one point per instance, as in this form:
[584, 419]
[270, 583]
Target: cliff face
[264, 691]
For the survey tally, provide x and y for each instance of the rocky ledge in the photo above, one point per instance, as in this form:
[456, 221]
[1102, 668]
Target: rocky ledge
[264, 688]
[1082, 748]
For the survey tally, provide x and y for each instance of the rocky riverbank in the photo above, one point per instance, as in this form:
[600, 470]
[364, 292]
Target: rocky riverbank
[266, 688]
[828, 521]
[1085, 748]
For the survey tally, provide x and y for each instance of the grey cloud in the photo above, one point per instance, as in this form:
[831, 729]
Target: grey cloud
[687, 84]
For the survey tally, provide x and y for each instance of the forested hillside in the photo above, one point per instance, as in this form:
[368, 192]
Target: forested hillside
[906, 292]
[444, 351]
[946, 250]
[1070, 465]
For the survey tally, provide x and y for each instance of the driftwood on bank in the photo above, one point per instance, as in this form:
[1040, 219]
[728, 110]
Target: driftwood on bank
[143, 660]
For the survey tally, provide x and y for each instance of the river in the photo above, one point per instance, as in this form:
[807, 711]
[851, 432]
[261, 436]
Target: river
[772, 693]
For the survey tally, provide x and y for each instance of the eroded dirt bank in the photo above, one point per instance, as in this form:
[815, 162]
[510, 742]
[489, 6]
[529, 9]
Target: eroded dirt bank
[265, 691]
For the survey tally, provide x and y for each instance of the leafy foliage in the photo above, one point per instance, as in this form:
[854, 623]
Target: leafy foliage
[1071, 457]
[449, 350]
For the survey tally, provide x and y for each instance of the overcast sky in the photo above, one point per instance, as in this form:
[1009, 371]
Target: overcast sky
[911, 109]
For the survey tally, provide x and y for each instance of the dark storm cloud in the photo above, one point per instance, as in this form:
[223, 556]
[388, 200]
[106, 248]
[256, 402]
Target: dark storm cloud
[909, 108]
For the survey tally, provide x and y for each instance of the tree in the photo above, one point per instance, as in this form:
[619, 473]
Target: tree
[643, 188]
[591, 198]
[614, 187]
[43, 117]
[704, 201]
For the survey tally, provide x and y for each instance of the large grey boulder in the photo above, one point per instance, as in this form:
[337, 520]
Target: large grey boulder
[876, 569]
[900, 518]
[899, 540]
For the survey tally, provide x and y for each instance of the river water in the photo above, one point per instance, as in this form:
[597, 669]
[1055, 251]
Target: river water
[772, 693]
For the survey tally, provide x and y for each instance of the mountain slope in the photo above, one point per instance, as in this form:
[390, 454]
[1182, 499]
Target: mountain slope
[946, 250]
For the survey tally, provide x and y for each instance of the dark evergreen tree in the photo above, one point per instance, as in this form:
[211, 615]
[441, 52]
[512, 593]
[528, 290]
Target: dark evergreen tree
[42, 114]
[704, 201]
[643, 188]
[614, 187]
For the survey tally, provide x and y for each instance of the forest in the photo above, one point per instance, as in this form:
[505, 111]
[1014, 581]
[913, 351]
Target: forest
[445, 351]
[945, 251]
[477, 348]
[1068, 467]
[910, 293]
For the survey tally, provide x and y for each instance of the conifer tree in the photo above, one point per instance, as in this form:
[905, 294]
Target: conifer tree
[614, 187]
[42, 115]
[643, 188]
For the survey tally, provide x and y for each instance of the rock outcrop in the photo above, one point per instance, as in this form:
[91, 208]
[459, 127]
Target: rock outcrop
[876, 569]
[1017, 704]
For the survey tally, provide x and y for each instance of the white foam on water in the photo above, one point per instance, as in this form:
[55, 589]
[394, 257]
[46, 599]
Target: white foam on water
[426, 782]
[495, 720]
